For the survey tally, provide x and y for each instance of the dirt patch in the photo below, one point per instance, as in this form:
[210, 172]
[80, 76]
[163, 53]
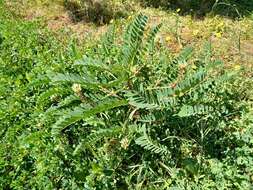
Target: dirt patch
[58, 22]
[79, 29]
[247, 48]
[56, 18]
[30, 15]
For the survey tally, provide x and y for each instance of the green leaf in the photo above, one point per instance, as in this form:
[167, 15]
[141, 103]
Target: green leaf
[80, 113]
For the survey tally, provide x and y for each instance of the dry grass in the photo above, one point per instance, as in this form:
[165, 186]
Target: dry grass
[232, 40]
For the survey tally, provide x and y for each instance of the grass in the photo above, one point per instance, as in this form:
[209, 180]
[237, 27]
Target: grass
[108, 146]
[232, 39]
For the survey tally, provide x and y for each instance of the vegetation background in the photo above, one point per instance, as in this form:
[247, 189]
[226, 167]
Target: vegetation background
[126, 94]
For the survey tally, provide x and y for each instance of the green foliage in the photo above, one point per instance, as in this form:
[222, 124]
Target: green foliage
[127, 115]
[148, 107]
[77, 114]
[147, 143]
[26, 52]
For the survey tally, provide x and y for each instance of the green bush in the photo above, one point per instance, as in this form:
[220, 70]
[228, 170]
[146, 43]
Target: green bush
[139, 117]
[98, 11]
[128, 115]
[26, 52]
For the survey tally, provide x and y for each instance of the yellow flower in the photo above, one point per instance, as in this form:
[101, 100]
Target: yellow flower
[237, 67]
[178, 10]
[124, 143]
[129, 17]
[218, 34]
[168, 39]
[194, 66]
[76, 88]
[195, 32]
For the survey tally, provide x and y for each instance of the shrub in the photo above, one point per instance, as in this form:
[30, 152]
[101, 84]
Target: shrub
[98, 11]
[128, 115]
[134, 112]
[26, 52]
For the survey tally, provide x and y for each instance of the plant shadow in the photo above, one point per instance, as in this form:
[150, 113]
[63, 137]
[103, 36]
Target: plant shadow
[200, 8]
